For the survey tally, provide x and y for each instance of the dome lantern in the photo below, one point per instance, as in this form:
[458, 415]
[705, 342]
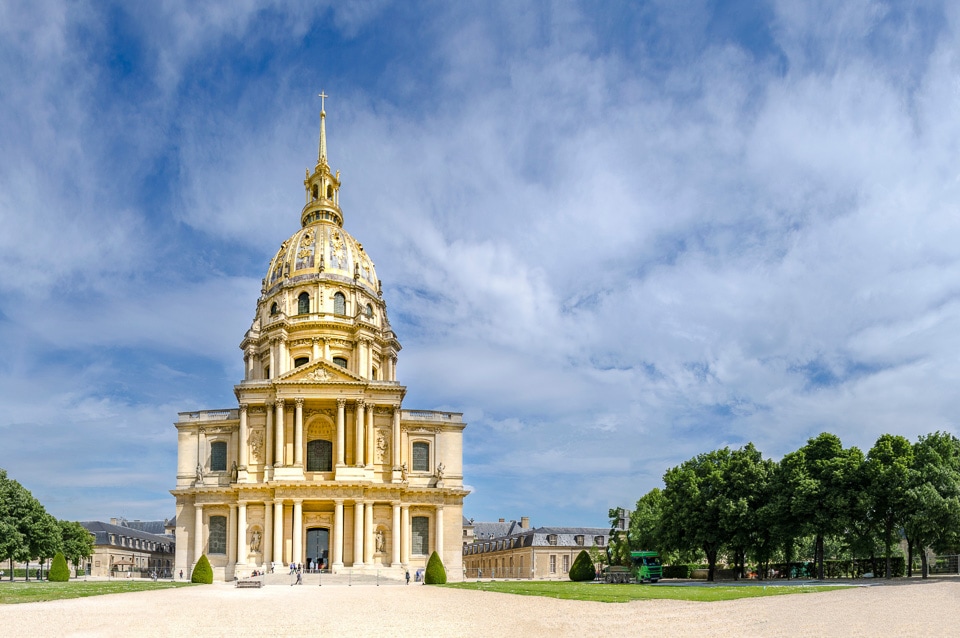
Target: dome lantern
[322, 186]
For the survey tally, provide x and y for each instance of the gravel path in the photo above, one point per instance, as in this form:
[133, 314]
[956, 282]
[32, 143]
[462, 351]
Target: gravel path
[909, 609]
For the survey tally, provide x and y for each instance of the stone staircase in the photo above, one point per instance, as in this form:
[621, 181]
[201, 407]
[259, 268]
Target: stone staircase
[346, 578]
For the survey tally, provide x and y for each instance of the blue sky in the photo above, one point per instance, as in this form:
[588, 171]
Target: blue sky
[614, 235]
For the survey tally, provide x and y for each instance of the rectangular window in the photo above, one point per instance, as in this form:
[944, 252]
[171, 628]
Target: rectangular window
[217, 543]
[218, 456]
[421, 457]
[566, 564]
[420, 535]
[553, 563]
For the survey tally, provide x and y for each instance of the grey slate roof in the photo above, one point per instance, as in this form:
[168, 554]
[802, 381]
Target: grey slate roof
[538, 537]
[103, 530]
[151, 527]
[496, 530]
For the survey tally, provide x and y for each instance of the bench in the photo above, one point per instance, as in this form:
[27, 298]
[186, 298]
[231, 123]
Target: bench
[242, 584]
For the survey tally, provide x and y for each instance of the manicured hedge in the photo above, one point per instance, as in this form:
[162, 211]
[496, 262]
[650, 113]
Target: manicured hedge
[582, 568]
[203, 572]
[435, 574]
[59, 572]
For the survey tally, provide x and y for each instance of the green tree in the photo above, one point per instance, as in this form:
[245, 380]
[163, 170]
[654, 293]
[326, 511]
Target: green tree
[582, 568]
[202, 571]
[693, 505]
[77, 542]
[618, 545]
[888, 475]
[45, 539]
[933, 499]
[20, 522]
[746, 484]
[435, 574]
[59, 572]
[597, 556]
[645, 522]
[821, 480]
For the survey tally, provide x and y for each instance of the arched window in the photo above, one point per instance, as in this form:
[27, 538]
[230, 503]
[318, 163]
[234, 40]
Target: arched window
[320, 456]
[420, 526]
[339, 304]
[303, 303]
[301, 361]
[218, 456]
[330, 192]
[274, 308]
[421, 457]
[369, 311]
[316, 191]
[217, 541]
[340, 361]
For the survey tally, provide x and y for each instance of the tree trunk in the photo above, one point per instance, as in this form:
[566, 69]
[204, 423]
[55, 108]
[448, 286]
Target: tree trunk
[909, 558]
[888, 533]
[818, 556]
[711, 563]
[924, 568]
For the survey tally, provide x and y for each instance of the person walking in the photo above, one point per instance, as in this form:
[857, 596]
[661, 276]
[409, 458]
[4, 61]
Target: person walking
[408, 576]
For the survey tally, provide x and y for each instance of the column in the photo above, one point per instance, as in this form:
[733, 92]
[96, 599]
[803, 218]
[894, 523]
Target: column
[326, 349]
[358, 435]
[338, 532]
[369, 358]
[278, 460]
[393, 368]
[232, 535]
[298, 530]
[439, 534]
[341, 437]
[361, 357]
[284, 363]
[270, 436]
[405, 534]
[298, 433]
[197, 532]
[396, 436]
[278, 530]
[358, 534]
[241, 537]
[266, 543]
[202, 448]
[395, 536]
[316, 349]
[273, 360]
[368, 546]
[242, 462]
[370, 441]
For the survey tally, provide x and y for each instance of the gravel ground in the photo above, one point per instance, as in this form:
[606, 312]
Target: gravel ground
[912, 608]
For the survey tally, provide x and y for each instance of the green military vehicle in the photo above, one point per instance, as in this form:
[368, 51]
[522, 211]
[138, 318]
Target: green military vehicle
[644, 567]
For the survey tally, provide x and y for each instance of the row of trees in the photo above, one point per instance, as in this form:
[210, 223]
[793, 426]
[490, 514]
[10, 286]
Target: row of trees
[738, 505]
[28, 532]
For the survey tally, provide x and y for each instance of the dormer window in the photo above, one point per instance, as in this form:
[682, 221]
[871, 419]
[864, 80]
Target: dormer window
[552, 539]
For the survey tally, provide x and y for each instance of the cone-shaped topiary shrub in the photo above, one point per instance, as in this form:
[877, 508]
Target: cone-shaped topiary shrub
[59, 572]
[202, 573]
[435, 574]
[582, 568]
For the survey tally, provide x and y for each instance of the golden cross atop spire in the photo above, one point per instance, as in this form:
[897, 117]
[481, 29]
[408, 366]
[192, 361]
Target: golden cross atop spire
[322, 97]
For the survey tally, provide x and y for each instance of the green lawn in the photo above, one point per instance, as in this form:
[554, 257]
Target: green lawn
[33, 591]
[599, 592]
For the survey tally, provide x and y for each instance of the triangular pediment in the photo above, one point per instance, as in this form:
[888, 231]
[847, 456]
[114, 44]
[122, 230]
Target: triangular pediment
[320, 372]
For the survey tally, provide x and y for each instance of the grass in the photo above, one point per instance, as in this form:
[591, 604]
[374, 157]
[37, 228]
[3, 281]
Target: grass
[34, 591]
[598, 592]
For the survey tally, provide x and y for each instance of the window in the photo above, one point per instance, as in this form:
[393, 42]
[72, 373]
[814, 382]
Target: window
[373, 374]
[218, 456]
[566, 563]
[578, 539]
[421, 457]
[552, 539]
[266, 372]
[303, 304]
[340, 361]
[316, 191]
[369, 311]
[339, 304]
[553, 563]
[420, 526]
[598, 541]
[320, 456]
[274, 308]
[301, 361]
[330, 192]
[217, 543]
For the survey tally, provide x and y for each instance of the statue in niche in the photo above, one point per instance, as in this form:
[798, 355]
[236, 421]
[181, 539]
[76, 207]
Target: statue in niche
[234, 473]
[256, 444]
[199, 472]
[255, 542]
[381, 446]
[403, 472]
[381, 542]
[440, 469]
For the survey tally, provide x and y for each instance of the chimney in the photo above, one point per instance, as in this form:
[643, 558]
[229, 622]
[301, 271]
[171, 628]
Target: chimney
[525, 522]
[502, 521]
[113, 521]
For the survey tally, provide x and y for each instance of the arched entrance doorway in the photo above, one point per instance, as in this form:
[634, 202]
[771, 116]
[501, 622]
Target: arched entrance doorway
[318, 548]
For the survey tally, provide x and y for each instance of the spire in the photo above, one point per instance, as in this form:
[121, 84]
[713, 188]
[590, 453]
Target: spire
[322, 156]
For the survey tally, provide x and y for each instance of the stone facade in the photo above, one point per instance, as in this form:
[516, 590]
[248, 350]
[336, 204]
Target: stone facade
[124, 551]
[319, 464]
[509, 550]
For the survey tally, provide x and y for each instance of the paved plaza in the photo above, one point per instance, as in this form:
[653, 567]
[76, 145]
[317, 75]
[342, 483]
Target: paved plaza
[910, 609]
